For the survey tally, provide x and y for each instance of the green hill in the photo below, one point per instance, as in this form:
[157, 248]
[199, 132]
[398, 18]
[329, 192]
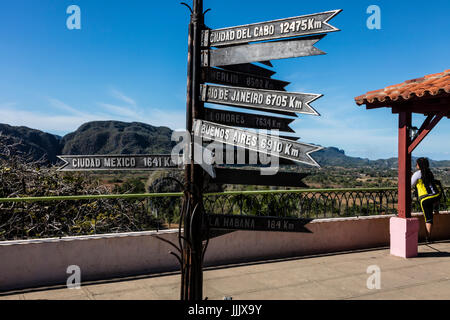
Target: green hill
[115, 137]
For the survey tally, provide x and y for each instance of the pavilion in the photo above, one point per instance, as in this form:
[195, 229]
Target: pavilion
[429, 96]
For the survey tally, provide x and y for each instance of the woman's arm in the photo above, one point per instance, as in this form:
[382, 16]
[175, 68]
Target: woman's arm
[416, 176]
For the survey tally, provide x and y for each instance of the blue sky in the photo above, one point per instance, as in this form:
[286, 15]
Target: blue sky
[128, 63]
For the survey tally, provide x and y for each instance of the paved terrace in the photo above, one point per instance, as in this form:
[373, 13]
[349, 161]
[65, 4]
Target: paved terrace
[336, 276]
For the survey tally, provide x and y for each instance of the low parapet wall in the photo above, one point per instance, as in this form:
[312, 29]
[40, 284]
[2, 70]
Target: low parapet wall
[36, 263]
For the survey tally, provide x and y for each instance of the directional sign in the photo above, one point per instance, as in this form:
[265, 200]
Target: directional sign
[117, 162]
[254, 177]
[274, 50]
[239, 79]
[268, 100]
[255, 223]
[267, 144]
[270, 30]
[250, 68]
[246, 120]
[236, 156]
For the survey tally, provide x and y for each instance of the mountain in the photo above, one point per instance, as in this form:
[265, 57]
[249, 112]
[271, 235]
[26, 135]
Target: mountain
[115, 137]
[37, 144]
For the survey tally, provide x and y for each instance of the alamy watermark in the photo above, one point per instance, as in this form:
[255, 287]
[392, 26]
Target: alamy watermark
[73, 22]
[374, 281]
[374, 20]
[210, 152]
[74, 280]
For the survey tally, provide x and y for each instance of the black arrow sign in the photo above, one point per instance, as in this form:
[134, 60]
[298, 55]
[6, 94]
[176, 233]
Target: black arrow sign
[254, 223]
[232, 155]
[316, 23]
[284, 49]
[254, 177]
[239, 79]
[250, 68]
[246, 120]
[117, 162]
[269, 100]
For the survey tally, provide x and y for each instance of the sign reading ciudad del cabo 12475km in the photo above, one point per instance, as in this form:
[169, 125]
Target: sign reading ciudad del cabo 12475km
[270, 30]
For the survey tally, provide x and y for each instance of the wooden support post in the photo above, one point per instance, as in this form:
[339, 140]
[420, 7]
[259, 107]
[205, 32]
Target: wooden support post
[404, 165]
[425, 129]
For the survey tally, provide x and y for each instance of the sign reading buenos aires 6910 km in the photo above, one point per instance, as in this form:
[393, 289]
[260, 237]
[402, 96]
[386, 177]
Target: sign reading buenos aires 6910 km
[270, 30]
[261, 99]
[268, 144]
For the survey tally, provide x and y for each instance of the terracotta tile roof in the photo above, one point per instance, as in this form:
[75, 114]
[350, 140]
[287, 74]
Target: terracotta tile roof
[430, 85]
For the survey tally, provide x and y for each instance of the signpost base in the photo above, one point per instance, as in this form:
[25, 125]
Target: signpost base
[404, 237]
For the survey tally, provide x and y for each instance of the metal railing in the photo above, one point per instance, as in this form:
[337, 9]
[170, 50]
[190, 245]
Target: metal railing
[43, 217]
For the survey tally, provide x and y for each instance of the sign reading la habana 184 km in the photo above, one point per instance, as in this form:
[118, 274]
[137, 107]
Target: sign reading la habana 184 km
[256, 223]
[270, 30]
[117, 162]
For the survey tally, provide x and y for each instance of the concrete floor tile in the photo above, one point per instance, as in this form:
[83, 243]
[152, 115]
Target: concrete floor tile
[397, 279]
[108, 288]
[351, 267]
[13, 297]
[384, 295]
[282, 278]
[167, 292]
[237, 284]
[349, 286]
[59, 294]
[437, 290]
[138, 294]
[317, 272]
[159, 280]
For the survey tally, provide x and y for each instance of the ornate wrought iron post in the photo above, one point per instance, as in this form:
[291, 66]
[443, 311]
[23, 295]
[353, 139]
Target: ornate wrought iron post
[192, 255]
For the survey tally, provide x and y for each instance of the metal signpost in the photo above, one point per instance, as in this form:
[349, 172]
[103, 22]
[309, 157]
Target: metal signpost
[224, 57]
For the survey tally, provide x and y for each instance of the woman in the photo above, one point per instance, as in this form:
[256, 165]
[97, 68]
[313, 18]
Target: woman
[428, 192]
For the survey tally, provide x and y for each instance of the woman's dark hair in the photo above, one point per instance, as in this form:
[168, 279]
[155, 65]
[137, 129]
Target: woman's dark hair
[424, 166]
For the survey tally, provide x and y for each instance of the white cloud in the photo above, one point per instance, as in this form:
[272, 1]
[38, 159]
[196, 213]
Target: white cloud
[118, 110]
[122, 97]
[63, 106]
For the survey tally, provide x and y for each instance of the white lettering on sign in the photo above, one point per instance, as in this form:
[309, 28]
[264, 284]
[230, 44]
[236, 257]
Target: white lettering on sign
[300, 25]
[80, 163]
[158, 162]
[119, 162]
